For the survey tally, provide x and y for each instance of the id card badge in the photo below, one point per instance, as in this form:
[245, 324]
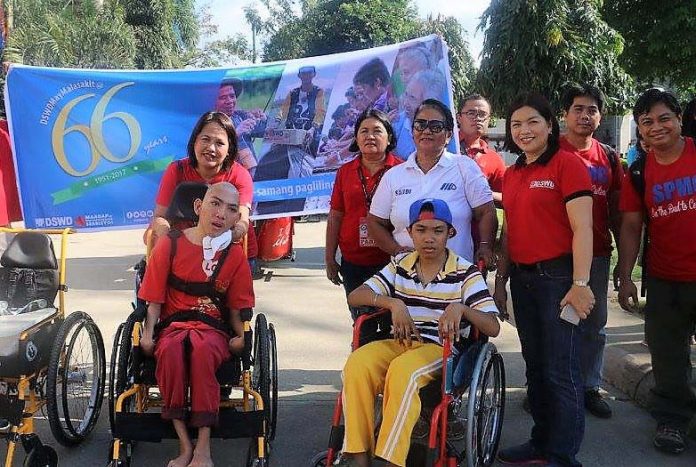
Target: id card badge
[363, 235]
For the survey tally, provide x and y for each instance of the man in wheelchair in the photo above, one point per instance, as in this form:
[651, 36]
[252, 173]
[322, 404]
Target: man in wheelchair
[432, 294]
[196, 283]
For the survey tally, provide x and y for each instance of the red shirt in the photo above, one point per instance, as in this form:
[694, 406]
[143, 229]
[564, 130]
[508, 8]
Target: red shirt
[348, 198]
[670, 198]
[604, 180]
[534, 200]
[9, 198]
[236, 175]
[491, 163]
[234, 278]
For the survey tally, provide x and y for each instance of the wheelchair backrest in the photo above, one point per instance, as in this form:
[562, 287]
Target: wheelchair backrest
[181, 207]
[29, 270]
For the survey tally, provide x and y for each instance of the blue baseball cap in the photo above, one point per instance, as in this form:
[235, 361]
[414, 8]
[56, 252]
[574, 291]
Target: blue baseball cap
[430, 208]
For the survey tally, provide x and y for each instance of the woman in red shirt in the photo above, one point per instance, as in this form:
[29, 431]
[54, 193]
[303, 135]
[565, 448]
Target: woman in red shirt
[356, 183]
[546, 252]
[212, 153]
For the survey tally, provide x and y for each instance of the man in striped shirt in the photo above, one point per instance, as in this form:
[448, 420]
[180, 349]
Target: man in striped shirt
[431, 293]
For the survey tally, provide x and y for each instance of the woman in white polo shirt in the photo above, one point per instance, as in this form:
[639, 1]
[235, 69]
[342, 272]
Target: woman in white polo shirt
[432, 172]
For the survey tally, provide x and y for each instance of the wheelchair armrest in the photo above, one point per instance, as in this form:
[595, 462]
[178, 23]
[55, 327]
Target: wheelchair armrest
[361, 319]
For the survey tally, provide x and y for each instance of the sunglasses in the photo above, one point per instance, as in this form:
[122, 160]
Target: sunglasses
[436, 126]
[473, 114]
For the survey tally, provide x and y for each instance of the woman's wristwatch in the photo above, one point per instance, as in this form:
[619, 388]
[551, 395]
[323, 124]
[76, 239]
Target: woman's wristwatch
[581, 283]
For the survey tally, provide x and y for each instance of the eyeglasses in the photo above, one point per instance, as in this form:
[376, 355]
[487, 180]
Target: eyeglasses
[473, 114]
[436, 126]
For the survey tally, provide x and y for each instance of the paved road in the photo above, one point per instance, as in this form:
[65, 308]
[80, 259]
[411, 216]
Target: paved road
[313, 330]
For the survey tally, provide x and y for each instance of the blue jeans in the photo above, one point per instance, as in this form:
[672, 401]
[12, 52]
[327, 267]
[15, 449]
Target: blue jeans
[551, 350]
[594, 336]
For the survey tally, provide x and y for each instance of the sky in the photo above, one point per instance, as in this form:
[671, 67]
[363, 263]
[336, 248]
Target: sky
[229, 17]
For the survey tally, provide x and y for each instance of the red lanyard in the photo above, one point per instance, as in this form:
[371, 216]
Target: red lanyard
[363, 182]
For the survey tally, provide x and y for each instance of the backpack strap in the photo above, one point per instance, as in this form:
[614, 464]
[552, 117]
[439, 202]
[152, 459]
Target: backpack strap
[611, 155]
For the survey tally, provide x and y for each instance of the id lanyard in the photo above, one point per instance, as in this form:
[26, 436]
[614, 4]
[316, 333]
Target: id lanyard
[363, 183]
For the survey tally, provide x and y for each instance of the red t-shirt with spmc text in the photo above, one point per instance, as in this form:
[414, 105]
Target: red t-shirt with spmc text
[348, 198]
[534, 200]
[606, 180]
[234, 278]
[670, 206]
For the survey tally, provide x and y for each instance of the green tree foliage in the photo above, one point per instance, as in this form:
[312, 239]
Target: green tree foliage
[69, 34]
[334, 26]
[542, 45]
[659, 35]
[166, 31]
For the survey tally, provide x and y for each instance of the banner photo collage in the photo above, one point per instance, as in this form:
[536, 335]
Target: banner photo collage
[90, 146]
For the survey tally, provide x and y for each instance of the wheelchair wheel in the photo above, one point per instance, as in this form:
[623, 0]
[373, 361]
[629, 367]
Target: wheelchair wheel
[41, 456]
[486, 408]
[274, 383]
[261, 376]
[115, 385]
[319, 459]
[76, 377]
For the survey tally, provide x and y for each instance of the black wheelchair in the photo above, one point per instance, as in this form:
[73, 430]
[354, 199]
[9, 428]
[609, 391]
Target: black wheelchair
[474, 402]
[49, 363]
[251, 411]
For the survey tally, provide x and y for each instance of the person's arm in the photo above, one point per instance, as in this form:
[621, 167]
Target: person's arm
[379, 232]
[629, 246]
[579, 212]
[236, 344]
[488, 226]
[147, 339]
[319, 109]
[402, 323]
[502, 274]
[333, 227]
[449, 322]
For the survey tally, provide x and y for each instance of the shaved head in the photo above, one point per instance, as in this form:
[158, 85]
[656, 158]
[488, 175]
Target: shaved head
[218, 211]
[223, 190]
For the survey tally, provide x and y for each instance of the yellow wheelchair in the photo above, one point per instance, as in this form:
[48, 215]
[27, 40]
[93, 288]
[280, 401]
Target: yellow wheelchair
[49, 363]
[133, 396]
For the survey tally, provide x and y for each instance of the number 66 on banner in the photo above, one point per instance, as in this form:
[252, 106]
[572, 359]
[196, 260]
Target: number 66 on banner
[94, 132]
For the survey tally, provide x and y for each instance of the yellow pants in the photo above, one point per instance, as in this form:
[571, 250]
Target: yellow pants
[398, 372]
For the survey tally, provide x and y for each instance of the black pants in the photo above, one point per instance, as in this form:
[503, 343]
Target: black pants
[670, 317]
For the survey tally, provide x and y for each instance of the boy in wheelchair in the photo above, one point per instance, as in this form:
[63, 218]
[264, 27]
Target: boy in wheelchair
[194, 299]
[431, 293]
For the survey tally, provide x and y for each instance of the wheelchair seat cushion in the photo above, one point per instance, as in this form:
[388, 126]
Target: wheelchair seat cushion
[30, 250]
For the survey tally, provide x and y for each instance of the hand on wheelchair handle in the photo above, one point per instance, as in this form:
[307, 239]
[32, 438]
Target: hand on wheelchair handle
[236, 345]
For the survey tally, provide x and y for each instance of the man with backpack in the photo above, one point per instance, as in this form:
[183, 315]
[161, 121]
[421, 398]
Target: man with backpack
[660, 191]
[583, 106]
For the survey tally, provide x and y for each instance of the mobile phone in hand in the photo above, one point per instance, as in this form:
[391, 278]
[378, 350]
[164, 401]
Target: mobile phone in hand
[569, 314]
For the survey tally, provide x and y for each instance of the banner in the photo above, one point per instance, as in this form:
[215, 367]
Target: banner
[90, 146]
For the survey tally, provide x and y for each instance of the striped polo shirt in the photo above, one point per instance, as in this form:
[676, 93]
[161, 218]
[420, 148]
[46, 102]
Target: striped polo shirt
[459, 281]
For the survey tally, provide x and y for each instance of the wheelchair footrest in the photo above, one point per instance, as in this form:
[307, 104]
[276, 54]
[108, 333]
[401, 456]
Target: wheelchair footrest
[151, 427]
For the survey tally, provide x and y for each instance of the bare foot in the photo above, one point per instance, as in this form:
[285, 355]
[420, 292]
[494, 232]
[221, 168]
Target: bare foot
[201, 460]
[182, 461]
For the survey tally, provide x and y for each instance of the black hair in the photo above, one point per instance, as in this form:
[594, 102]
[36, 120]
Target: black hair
[371, 71]
[689, 119]
[383, 119]
[654, 96]
[340, 111]
[541, 105]
[582, 90]
[438, 106]
[236, 83]
[226, 123]
[473, 97]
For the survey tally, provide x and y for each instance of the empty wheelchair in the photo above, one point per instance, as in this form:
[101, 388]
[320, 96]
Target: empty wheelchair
[252, 378]
[49, 363]
[468, 398]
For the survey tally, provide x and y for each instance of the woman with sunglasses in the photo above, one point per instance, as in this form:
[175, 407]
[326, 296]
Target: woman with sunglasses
[432, 172]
